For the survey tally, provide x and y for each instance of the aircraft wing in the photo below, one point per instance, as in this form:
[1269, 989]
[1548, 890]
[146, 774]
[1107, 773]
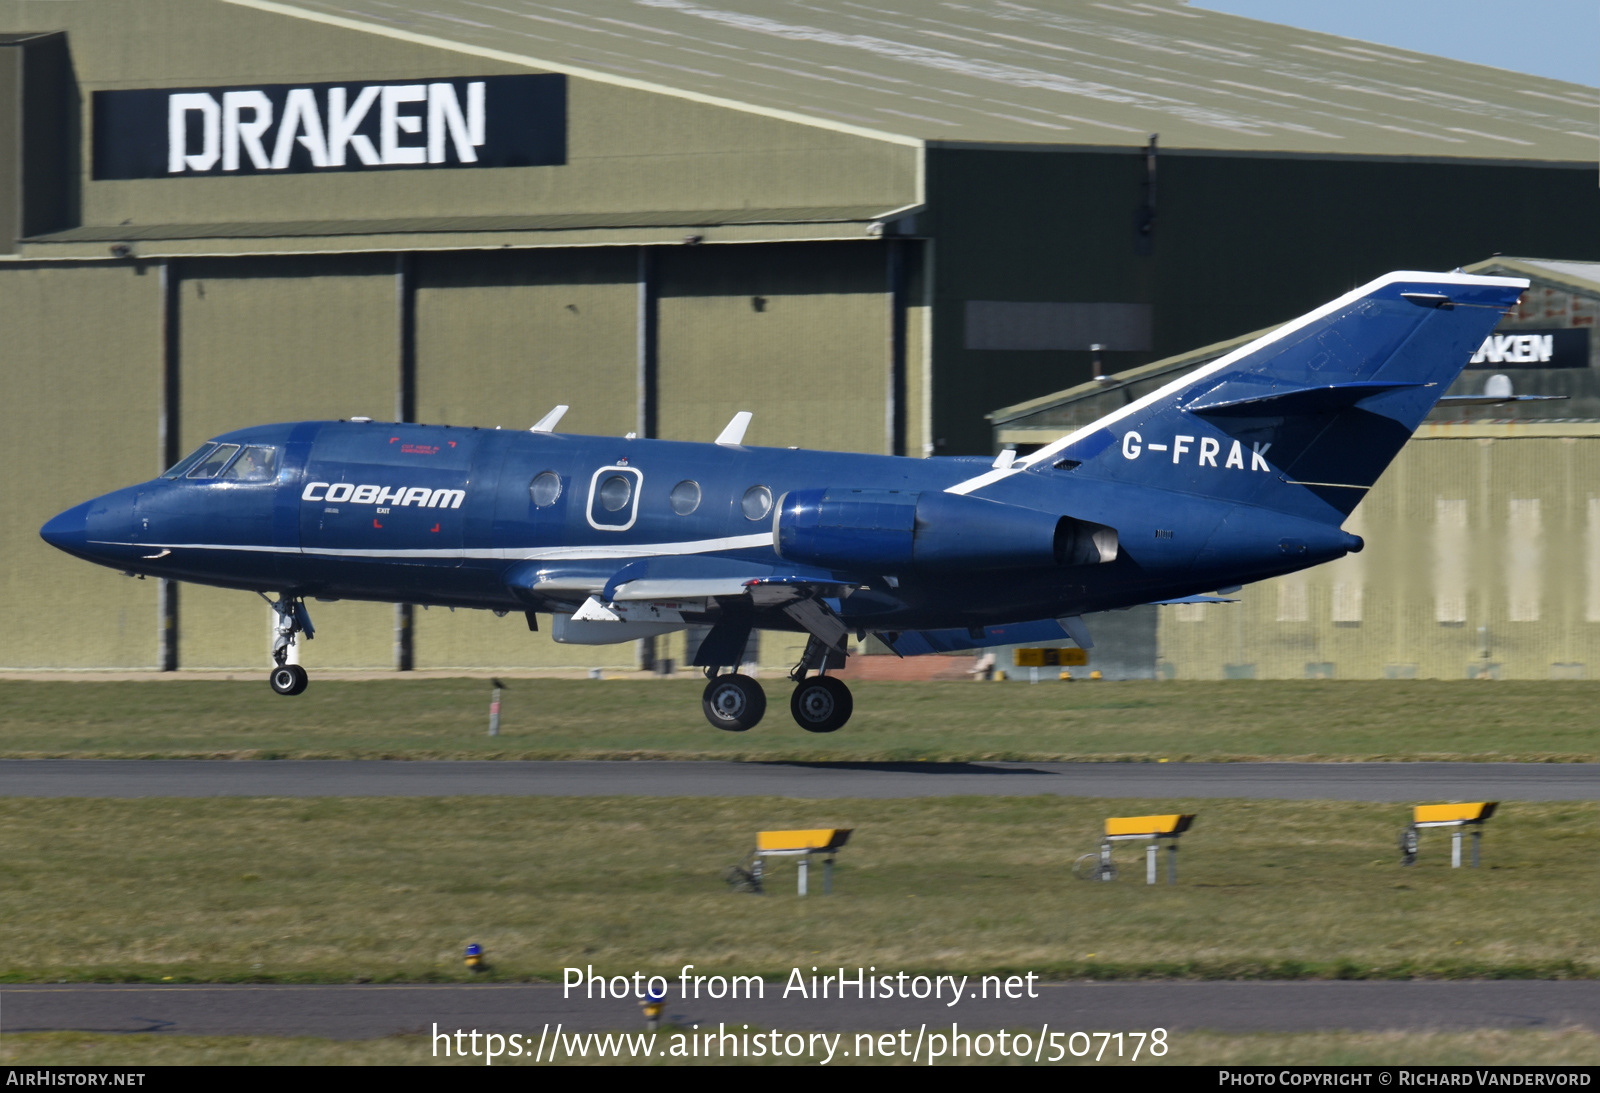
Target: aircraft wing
[911, 643]
[678, 577]
[808, 596]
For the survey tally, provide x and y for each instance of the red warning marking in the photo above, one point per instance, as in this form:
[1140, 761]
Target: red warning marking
[436, 528]
[392, 439]
[451, 443]
[376, 524]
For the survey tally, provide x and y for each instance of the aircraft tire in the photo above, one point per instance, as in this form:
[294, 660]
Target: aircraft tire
[734, 703]
[289, 679]
[821, 704]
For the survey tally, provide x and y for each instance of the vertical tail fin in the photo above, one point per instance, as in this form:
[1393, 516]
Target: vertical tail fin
[1303, 419]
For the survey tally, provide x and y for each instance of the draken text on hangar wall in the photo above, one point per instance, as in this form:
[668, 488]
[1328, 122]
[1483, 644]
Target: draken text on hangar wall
[491, 121]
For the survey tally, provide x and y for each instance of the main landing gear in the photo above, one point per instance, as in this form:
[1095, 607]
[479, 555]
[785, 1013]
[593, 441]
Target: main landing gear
[286, 678]
[820, 703]
[733, 702]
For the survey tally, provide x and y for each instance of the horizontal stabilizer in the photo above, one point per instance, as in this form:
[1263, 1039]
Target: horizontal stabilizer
[1191, 599]
[1224, 399]
[1495, 400]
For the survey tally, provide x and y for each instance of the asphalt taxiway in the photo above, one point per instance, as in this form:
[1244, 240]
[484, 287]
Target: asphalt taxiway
[389, 778]
[374, 1010]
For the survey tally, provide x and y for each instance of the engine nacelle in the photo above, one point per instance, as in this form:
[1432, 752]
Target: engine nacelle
[891, 530]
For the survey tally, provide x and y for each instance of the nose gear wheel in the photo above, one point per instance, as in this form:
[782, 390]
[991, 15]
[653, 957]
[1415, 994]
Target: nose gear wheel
[288, 679]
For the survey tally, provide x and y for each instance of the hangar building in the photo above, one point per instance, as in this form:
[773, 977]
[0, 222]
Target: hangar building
[869, 226]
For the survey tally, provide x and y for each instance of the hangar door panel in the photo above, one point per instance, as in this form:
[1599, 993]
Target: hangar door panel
[283, 339]
[82, 405]
[796, 333]
[502, 336]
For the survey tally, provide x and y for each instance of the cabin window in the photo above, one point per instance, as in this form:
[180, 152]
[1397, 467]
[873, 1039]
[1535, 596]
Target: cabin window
[212, 464]
[544, 489]
[253, 465]
[757, 502]
[182, 466]
[614, 493]
[685, 497]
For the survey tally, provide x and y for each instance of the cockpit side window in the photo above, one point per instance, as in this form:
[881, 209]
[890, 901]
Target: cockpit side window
[253, 465]
[178, 469]
[215, 460]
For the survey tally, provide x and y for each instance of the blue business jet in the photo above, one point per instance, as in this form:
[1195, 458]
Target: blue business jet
[1242, 470]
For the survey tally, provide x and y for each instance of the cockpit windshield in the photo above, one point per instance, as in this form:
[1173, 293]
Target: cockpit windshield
[255, 464]
[215, 460]
[178, 469]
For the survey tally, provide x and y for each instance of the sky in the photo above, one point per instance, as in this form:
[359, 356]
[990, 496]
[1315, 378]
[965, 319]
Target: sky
[1559, 39]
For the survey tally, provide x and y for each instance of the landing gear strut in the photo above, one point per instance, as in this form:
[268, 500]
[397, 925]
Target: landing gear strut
[820, 703]
[286, 678]
[733, 702]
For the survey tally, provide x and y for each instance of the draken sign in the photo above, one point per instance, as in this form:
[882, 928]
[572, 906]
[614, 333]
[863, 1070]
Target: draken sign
[486, 121]
[1533, 349]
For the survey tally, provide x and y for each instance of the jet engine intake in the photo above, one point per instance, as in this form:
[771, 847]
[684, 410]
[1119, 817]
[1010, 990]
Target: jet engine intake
[890, 530]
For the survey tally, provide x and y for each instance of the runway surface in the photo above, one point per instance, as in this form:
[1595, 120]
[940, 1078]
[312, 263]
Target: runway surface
[383, 778]
[362, 1012]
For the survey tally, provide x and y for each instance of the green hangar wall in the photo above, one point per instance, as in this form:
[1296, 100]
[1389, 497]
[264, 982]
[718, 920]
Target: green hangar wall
[868, 245]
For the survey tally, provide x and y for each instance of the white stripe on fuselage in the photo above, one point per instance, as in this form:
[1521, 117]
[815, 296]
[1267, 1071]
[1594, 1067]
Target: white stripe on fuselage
[593, 551]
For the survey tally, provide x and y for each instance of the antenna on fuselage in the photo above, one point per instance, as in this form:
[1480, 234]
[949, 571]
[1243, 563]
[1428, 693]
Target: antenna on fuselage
[547, 424]
[733, 433]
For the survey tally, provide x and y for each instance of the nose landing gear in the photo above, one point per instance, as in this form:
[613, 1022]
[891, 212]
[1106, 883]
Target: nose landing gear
[286, 678]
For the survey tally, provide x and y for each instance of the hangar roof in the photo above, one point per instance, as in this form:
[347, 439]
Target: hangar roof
[1060, 72]
[1582, 276]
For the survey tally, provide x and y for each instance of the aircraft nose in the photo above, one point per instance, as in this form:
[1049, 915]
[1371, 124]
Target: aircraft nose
[70, 530]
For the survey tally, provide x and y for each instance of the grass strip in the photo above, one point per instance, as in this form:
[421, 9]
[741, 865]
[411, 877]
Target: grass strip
[384, 889]
[396, 718]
